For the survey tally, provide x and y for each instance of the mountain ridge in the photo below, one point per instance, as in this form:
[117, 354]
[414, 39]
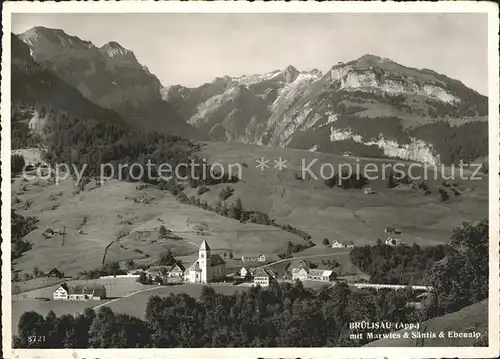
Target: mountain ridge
[110, 76]
[302, 109]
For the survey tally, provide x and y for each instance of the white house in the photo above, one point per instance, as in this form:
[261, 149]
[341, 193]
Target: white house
[320, 275]
[207, 267]
[299, 273]
[339, 244]
[245, 272]
[391, 241]
[253, 258]
[263, 277]
[175, 270]
[80, 292]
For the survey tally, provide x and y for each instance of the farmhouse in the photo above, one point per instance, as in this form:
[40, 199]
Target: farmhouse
[339, 244]
[48, 233]
[391, 241]
[299, 273]
[245, 272]
[79, 292]
[251, 258]
[207, 268]
[54, 272]
[263, 277]
[320, 275]
[391, 230]
[175, 270]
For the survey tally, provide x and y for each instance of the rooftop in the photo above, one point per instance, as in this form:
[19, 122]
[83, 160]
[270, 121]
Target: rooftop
[263, 272]
[88, 289]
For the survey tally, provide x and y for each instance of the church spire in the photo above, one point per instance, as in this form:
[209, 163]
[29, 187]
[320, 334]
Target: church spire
[204, 246]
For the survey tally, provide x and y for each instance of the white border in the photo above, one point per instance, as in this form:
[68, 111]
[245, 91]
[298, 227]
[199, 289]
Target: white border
[259, 7]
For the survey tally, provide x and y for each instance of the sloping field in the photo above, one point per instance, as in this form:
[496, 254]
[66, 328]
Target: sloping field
[114, 212]
[115, 288]
[339, 214]
[469, 319]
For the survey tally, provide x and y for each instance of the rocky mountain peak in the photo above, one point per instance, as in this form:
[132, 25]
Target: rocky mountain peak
[41, 36]
[113, 49]
[290, 73]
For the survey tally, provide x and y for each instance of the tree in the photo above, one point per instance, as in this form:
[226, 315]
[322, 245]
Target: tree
[103, 329]
[130, 264]
[166, 258]
[37, 272]
[163, 231]
[16, 277]
[391, 182]
[225, 193]
[326, 242]
[111, 268]
[461, 278]
[444, 194]
[30, 323]
[238, 209]
[207, 293]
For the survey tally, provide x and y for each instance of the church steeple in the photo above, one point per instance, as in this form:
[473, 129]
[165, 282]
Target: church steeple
[204, 261]
[204, 246]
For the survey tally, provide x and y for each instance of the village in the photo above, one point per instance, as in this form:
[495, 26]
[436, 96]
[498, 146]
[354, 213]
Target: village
[211, 268]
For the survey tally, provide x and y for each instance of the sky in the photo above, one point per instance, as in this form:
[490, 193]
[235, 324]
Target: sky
[192, 49]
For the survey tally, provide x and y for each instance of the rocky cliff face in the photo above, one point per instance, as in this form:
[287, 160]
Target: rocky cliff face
[371, 101]
[110, 76]
[34, 84]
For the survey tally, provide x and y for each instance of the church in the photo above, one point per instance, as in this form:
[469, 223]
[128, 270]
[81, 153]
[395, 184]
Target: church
[207, 268]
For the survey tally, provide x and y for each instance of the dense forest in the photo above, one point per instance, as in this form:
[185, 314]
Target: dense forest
[398, 264]
[78, 142]
[454, 143]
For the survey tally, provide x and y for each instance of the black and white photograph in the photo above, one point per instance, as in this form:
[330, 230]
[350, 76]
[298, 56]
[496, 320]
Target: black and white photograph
[267, 180]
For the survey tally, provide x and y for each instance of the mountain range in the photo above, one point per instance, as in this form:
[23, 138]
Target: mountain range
[370, 106]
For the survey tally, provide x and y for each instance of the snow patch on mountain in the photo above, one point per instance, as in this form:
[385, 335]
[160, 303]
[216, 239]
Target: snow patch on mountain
[253, 79]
